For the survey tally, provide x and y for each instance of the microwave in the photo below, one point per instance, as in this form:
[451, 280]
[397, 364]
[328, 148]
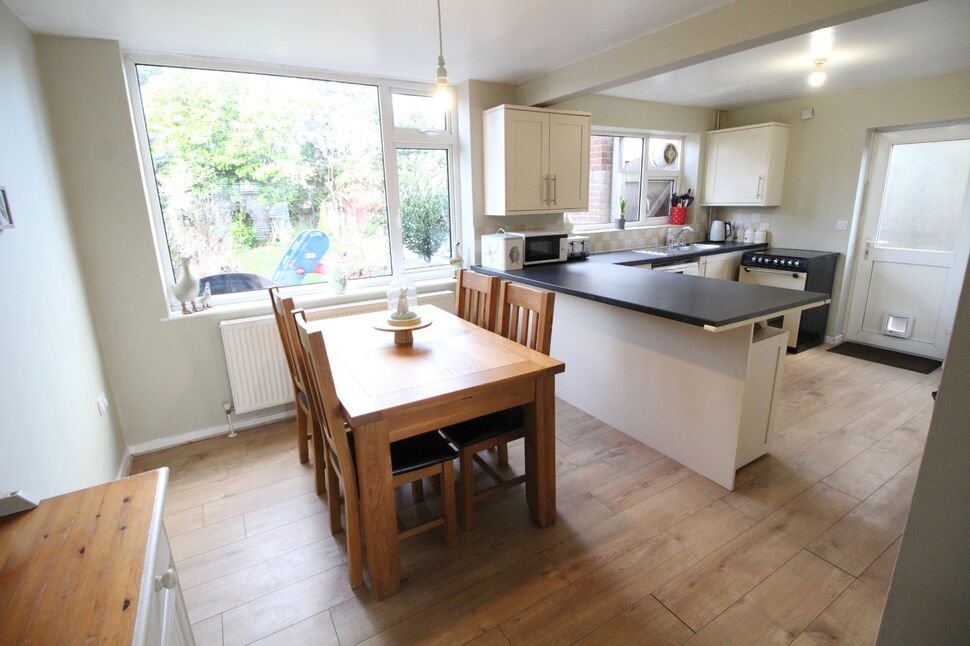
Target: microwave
[506, 251]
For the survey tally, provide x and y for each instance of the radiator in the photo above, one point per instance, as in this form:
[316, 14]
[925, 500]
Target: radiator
[258, 373]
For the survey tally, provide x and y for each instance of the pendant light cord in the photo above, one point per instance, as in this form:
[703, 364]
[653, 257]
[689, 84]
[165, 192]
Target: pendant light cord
[441, 49]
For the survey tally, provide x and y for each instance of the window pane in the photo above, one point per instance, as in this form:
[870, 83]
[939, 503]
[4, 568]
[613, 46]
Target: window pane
[614, 173]
[422, 112]
[664, 154]
[266, 179]
[924, 195]
[659, 194]
[425, 206]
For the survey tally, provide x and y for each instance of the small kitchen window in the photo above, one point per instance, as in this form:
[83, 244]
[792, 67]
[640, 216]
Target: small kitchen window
[638, 172]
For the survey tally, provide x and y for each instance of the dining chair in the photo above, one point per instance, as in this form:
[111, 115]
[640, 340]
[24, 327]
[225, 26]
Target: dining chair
[412, 459]
[526, 317]
[476, 298]
[282, 310]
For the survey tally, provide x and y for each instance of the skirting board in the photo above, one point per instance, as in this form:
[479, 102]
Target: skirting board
[205, 433]
[835, 340]
[125, 467]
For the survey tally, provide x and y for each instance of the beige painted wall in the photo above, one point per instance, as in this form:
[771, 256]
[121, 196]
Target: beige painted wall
[929, 596]
[825, 156]
[52, 439]
[169, 377]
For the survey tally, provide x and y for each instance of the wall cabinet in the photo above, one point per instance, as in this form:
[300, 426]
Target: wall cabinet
[746, 166]
[535, 160]
[723, 266]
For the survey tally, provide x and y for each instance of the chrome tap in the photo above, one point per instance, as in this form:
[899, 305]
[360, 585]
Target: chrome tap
[679, 239]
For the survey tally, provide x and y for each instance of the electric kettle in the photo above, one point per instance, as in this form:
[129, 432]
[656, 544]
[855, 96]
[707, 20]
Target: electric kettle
[720, 231]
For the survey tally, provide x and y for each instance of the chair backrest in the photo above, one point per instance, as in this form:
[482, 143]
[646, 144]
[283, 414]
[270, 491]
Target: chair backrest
[476, 298]
[283, 310]
[323, 398]
[527, 316]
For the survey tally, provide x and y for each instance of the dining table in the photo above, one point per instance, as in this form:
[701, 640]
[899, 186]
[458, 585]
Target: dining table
[452, 372]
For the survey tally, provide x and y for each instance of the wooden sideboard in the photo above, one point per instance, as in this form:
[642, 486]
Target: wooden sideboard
[92, 566]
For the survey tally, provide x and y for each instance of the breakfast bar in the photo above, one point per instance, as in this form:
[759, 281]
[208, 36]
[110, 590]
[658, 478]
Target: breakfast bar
[678, 362]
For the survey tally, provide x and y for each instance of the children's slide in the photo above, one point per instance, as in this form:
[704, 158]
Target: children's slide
[304, 256]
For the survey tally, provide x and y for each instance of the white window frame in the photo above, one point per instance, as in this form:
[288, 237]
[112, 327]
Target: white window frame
[645, 175]
[392, 139]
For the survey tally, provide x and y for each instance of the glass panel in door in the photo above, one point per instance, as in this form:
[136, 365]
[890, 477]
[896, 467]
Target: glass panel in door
[923, 201]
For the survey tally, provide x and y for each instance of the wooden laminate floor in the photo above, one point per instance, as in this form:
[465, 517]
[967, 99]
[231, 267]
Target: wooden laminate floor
[644, 550]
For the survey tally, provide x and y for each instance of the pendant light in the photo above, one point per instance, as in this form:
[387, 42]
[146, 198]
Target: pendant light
[442, 93]
[816, 78]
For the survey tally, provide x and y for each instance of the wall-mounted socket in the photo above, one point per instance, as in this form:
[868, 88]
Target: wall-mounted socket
[807, 113]
[841, 225]
[102, 404]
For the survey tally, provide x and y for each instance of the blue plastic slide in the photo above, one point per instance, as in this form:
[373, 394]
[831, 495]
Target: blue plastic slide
[304, 256]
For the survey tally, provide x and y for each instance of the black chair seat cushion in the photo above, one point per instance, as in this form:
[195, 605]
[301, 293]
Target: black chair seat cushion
[482, 428]
[415, 452]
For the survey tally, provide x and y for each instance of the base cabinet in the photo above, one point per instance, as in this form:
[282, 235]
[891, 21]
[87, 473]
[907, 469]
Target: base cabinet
[762, 391]
[723, 266]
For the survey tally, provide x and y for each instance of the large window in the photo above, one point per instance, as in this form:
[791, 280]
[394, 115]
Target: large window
[267, 179]
[619, 179]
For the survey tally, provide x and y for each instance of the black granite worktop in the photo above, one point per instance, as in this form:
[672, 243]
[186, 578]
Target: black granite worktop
[689, 299]
[632, 258]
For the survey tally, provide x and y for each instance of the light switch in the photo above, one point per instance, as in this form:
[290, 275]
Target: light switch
[102, 404]
[841, 225]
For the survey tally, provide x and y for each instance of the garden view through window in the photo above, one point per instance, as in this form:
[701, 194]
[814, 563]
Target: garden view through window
[275, 180]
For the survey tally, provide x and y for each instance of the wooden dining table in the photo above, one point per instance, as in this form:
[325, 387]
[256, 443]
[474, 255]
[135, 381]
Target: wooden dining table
[454, 371]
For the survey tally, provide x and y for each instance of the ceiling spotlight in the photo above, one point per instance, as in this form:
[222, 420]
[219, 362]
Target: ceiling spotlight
[817, 77]
[442, 93]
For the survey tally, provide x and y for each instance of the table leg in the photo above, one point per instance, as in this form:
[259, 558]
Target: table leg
[377, 510]
[540, 453]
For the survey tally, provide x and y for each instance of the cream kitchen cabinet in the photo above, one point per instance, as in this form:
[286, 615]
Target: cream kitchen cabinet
[746, 165]
[536, 160]
[724, 266]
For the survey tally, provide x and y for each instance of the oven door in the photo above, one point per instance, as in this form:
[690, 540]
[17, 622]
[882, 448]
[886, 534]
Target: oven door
[786, 280]
[544, 248]
[774, 277]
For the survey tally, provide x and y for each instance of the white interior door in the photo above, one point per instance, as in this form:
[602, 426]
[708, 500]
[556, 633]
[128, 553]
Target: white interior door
[915, 241]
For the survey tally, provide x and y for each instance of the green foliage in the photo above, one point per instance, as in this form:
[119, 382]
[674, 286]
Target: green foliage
[241, 231]
[424, 222]
[622, 207]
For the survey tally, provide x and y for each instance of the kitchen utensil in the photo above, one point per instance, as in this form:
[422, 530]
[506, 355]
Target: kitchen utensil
[720, 231]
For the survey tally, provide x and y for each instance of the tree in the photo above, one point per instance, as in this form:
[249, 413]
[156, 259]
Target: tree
[424, 220]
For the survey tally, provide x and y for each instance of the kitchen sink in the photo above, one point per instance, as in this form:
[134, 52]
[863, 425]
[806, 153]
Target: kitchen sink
[699, 247]
[666, 251]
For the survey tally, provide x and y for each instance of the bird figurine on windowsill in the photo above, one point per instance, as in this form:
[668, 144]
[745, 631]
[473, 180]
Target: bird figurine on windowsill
[206, 296]
[186, 290]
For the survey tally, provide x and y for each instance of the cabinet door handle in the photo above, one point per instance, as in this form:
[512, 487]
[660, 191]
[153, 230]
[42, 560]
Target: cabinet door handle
[555, 189]
[168, 580]
[545, 181]
[761, 178]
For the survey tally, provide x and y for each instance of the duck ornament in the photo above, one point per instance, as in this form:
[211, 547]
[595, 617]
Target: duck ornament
[186, 290]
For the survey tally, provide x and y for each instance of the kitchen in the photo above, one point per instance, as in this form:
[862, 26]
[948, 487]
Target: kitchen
[706, 219]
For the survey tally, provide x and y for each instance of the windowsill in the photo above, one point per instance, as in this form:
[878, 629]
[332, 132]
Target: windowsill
[629, 227]
[311, 298]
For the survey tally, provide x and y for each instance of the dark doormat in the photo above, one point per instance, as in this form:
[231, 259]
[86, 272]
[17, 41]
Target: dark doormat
[887, 357]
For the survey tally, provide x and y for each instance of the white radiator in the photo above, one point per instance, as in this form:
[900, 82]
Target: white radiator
[258, 374]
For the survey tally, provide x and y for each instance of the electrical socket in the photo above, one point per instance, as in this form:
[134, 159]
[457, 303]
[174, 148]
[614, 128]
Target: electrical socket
[841, 225]
[102, 404]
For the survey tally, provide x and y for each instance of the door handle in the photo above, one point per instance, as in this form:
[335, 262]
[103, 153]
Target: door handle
[546, 197]
[555, 189]
[761, 178]
[870, 243]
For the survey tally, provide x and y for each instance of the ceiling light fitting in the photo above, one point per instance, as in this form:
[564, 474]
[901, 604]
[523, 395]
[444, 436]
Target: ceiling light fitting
[442, 92]
[817, 77]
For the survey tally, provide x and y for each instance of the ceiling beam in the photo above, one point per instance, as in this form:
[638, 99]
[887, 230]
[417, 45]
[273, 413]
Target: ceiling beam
[735, 27]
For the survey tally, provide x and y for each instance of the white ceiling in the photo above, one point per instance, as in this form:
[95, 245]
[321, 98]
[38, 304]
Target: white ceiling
[494, 40]
[921, 40]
